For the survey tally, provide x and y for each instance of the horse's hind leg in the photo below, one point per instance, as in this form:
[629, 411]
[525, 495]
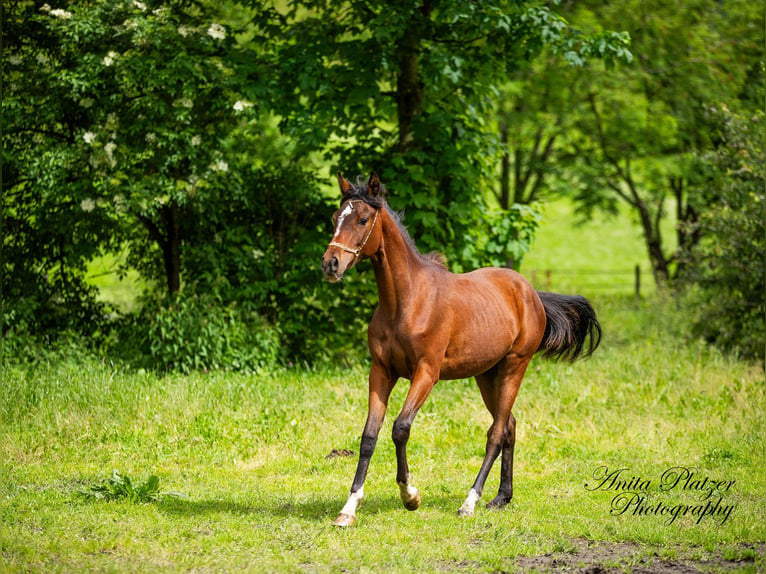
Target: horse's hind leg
[499, 393]
[505, 493]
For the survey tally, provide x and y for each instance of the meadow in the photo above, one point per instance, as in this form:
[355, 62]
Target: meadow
[258, 465]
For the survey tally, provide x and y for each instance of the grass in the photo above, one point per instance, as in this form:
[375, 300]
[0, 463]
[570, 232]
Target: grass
[256, 491]
[250, 457]
[596, 258]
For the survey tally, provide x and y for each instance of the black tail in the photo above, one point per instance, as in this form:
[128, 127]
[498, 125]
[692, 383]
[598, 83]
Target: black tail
[569, 321]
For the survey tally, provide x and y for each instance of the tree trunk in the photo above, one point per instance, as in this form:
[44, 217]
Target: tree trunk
[171, 251]
[169, 241]
[505, 174]
[654, 244]
[409, 87]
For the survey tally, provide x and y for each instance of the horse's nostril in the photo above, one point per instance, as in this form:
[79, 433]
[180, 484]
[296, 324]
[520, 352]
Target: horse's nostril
[334, 264]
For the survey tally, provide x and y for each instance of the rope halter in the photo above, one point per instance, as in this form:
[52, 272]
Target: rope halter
[356, 251]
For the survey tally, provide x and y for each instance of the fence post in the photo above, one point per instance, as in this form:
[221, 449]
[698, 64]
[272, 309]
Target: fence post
[638, 281]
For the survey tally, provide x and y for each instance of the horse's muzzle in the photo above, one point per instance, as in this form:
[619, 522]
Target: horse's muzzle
[330, 267]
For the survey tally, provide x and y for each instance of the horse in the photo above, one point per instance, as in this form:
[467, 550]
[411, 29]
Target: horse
[431, 324]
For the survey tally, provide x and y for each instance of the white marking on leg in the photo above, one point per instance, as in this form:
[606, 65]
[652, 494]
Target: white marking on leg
[470, 503]
[346, 211]
[407, 492]
[353, 502]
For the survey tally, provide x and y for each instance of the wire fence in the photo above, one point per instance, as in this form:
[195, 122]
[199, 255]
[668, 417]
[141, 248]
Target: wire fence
[608, 281]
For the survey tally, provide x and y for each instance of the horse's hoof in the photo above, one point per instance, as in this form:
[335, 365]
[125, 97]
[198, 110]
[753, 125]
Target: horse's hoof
[498, 503]
[465, 512]
[413, 503]
[344, 520]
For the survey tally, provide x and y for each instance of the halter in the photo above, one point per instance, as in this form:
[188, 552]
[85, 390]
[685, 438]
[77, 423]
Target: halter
[358, 250]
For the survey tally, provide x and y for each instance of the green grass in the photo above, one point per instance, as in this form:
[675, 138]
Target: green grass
[119, 291]
[594, 258]
[249, 454]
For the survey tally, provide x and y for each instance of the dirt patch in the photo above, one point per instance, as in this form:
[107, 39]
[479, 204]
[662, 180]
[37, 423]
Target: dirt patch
[588, 557]
[339, 452]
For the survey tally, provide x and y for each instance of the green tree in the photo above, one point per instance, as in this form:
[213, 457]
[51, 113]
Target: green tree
[726, 269]
[407, 88]
[642, 130]
[115, 115]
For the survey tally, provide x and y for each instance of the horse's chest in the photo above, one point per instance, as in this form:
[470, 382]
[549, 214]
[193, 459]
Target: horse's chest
[402, 348]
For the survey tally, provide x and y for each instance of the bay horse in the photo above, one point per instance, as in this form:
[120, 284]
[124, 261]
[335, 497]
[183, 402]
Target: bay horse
[431, 325]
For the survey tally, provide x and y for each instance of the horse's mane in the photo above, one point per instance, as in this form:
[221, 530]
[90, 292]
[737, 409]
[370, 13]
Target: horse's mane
[359, 191]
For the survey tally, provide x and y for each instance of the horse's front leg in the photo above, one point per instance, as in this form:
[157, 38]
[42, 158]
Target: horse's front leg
[381, 384]
[422, 382]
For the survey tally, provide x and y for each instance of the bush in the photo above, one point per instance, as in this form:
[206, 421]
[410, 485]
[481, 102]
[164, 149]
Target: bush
[726, 271]
[197, 332]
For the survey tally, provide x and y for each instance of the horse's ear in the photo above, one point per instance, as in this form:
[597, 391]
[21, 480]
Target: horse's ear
[345, 186]
[374, 188]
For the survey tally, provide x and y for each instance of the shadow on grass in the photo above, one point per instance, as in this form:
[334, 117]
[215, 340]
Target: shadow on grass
[316, 509]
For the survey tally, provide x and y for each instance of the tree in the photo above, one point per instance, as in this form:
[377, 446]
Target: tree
[726, 269]
[407, 88]
[115, 117]
[644, 128]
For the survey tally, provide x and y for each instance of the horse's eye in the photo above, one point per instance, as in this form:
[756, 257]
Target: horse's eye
[363, 221]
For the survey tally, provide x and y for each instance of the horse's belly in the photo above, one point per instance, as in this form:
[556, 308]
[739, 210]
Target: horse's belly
[469, 362]
[479, 343]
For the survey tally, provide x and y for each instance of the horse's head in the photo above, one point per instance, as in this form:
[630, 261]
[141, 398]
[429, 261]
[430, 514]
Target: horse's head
[357, 231]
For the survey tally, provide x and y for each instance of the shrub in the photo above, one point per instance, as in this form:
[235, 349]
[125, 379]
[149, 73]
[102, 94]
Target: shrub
[197, 332]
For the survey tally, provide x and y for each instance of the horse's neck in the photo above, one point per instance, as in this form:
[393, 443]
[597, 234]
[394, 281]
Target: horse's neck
[399, 270]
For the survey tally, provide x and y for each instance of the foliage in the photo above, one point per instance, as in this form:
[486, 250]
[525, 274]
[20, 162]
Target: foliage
[406, 88]
[727, 269]
[635, 135]
[121, 487]
[113, 116]
[200, 332]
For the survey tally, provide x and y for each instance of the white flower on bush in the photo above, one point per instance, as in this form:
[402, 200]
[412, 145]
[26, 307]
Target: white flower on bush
[45, 8]
[140, 5]
[87, 205]
[216, 31]
[219, 165]
[184, 103]
[89, 137]
[109, 58]
[151, 138]
[241, 105]
[119, 203]
[112, 122]
[59, 13]
[184, 30]
[196, 140]
[14, 60]
[109, 149]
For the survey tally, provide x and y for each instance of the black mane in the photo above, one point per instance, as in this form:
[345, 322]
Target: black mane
[360, 192]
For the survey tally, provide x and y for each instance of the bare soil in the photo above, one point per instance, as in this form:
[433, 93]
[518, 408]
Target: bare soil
[589, 557]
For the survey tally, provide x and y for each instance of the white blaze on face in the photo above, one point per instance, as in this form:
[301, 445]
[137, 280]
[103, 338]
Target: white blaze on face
[353, 502]
[343, 214]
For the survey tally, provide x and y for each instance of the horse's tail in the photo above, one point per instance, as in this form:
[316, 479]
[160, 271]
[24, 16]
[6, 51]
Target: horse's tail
[569, 322]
